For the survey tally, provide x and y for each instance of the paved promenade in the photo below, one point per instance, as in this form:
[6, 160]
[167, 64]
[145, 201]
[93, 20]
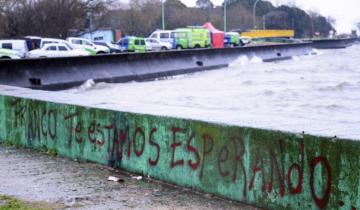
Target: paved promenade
[67, 184]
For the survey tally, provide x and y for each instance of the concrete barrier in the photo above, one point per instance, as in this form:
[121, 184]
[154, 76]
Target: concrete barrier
[332, 43]
[264, 168]
[61, 73]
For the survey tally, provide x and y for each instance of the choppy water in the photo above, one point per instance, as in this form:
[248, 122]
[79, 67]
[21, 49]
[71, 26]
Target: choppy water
[318, 94]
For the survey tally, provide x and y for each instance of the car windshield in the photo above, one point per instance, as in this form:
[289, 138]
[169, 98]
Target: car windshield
[87, 43]
[67, 45]
[76, 41]
[47, 42]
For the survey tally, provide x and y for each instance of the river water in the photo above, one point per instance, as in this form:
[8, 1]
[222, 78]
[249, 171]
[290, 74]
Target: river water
[318, 94]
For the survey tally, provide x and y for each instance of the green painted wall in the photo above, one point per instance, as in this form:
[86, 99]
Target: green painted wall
[269, 169]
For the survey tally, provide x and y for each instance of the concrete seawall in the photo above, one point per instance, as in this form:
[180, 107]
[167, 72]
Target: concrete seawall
[332, 43]
[264, 168]
[61, 73]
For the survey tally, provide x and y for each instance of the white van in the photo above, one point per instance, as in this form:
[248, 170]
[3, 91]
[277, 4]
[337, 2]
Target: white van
[19, 46]
[163, 36]
[84, 44]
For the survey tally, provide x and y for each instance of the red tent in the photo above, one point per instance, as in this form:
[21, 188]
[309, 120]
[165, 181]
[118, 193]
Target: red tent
[217, 36]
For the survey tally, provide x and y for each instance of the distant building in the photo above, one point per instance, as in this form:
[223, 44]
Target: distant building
[105, 35]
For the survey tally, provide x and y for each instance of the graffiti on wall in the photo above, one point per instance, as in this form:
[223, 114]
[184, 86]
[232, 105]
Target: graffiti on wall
[257, 168]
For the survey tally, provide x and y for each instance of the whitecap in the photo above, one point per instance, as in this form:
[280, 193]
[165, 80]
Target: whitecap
[241, 60]
[255, 60]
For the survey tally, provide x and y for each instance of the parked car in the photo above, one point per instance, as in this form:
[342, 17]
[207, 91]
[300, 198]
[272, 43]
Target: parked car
[114, 48]
[245, 39]
[84, 44]
[132, 44]
[56, 50]
[19, 46]
[45, 41]
[148, 46]
[232, 39]
[156, 45]
[9, 54]
[163, 36]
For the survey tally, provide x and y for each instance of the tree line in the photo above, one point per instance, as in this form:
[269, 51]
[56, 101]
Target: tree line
[57, 18]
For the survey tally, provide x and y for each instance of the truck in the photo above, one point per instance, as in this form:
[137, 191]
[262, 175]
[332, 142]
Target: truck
[191, 37]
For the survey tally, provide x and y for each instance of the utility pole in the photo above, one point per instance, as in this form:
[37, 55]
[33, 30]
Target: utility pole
[225, 21]
[163, 13]
[254, 17]
[264, 22]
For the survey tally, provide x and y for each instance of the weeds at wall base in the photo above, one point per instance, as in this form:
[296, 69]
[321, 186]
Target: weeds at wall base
[8, 144]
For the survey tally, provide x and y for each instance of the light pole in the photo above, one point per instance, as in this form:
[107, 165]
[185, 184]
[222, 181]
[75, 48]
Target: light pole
[254, 17]
[225, 21]
[163, 14]
[264, 22]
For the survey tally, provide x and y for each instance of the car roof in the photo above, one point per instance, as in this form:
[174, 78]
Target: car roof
[182, 30]
[232, 33]
[53, 39]
[132, 37]
[54, 44]
[32, 37]
[163, 31]
[78, 38]
[12, 40]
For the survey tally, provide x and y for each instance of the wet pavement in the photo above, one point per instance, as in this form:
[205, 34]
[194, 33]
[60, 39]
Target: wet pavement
[67, 184]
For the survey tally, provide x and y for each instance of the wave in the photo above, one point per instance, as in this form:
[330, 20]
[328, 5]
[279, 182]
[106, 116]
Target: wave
[339, 87]
[335, 106]
[295, 58]
[241, 60]
[245, 60]
[256, 59]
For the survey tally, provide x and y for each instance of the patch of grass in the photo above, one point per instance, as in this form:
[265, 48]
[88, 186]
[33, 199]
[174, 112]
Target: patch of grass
[7, 143]
[11, 203]
[52, 152]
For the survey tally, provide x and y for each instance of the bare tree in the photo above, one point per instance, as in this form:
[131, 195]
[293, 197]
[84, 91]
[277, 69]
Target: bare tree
[240, 18]
[204, 4]
[52, 18]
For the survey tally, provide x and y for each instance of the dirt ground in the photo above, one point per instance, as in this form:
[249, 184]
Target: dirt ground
[66, 184]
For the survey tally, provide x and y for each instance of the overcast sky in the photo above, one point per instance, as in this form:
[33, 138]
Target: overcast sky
[346, 12]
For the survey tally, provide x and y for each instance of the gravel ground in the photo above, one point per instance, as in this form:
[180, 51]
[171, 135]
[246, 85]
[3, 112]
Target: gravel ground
[67, 184]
